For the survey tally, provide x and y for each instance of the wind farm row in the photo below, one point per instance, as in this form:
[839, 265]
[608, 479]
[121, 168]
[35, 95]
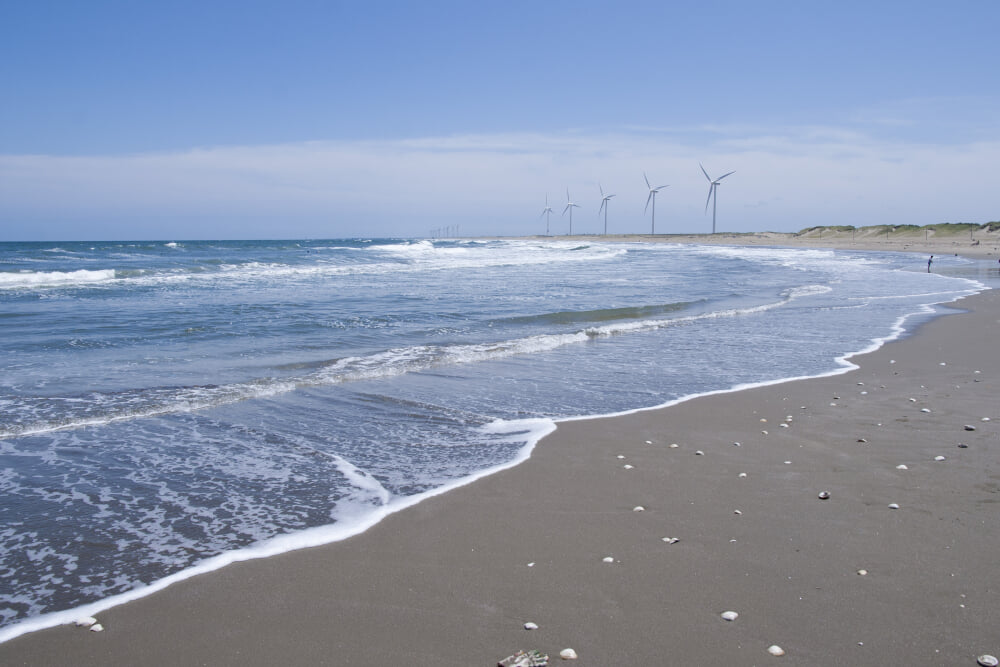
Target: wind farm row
[713, 187]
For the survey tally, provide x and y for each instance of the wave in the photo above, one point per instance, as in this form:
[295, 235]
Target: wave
[23, 279]
[54, 414]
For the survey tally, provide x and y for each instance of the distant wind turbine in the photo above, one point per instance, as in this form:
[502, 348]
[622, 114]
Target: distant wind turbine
[547, 211]
[569, 207]
[604, 207]
[652, 198]
[713, 185]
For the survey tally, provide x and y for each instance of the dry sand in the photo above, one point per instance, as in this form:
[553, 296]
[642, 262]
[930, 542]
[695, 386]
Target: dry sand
[452, 580]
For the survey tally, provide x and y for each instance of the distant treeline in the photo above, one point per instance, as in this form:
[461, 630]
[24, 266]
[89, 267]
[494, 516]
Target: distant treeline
[944, 228]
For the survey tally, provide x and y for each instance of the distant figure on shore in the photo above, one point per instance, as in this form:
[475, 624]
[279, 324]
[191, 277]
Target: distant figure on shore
[931, 259]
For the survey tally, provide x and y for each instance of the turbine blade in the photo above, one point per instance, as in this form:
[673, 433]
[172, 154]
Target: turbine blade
[651, 193]
[566, 209]
[662, 186]
[723, 176]
[711, 189]
[705, 172]
[647, 181]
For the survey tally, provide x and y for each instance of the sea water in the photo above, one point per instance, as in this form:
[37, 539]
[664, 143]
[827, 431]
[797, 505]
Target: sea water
[167, 407]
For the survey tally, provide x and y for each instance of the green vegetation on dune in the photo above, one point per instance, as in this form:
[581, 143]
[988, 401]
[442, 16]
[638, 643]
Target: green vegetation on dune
[940, 229]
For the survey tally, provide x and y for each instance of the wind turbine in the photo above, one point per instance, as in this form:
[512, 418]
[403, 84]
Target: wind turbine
[712, 187]
[547, 211]
[569, 207]
[604, 207]
[652, 198]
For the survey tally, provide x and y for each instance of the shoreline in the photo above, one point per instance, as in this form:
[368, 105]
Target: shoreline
[456, 517]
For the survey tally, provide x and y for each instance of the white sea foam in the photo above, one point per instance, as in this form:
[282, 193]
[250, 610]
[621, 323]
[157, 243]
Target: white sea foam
[9, 280]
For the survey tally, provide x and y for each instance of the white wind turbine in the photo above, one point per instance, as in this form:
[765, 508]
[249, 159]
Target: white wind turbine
[569, 207]
[652, 198]
[604, 207]
[713, 185]
[547, 211]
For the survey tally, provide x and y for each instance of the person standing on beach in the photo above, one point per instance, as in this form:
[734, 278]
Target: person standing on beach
[931, 259]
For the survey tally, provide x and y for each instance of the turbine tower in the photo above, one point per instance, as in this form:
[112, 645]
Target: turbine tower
[604, 207]
[652, 198]
[569, 207]
[713, 185]
[547, 211]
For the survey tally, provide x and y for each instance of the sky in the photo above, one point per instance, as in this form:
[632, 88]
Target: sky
[305, 119]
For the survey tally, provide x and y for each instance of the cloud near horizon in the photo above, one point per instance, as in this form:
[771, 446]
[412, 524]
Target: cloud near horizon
[496, 184]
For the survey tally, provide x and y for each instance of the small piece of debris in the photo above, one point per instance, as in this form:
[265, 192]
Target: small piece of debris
[671, 540]
[823, 495]
[97, 627]
[638, 508]
[939, 458]
[862, 440]
[863, 572]
[530, 626]
[532, 564]
[902, 466]
[730, 615]
[764, 432]
[925, 409]
[531, 658]
[627, 466]
[962, 445]
[649, 442]
[894, 506]
[620, 456]
[609, 559]
[775, 650]
[969, 427]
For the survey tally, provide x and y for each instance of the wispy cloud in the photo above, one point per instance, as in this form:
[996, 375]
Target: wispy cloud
[787, 179]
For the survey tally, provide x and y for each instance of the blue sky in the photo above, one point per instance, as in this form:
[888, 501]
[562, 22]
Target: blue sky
[332, 119]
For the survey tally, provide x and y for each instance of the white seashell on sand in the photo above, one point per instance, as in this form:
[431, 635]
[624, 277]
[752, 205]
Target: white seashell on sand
[649, 442]
[969, 427]
[764, 432]
[902, 466]
[638, 508]
[532, 564]
[674, 445]
[620, 456]
[862, 572]
[628, 467]
[985, 419]
[987, 661]
[699, 453]
[530, 626]
[671, 540]
[775, 650]
[85, 621]
[568, 654]
[939, 458]
[730, 615]
[864, 393]
[788, 463]
[862, 440]
[763, 420]
[736, 444]
[97, 627]
[894, 506]
[823, 495]
[924, 409]
[737, 512]
[742, 475]
[912, 400]
[609, 559]
[783, 425]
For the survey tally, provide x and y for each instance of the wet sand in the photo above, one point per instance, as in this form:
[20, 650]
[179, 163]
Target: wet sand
[452, 580]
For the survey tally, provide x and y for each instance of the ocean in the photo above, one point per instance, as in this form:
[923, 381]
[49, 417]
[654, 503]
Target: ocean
[170, 407]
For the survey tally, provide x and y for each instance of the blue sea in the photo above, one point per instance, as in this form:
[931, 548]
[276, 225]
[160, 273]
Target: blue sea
[169, 407]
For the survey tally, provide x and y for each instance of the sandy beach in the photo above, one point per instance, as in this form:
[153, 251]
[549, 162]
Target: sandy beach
[896, 567]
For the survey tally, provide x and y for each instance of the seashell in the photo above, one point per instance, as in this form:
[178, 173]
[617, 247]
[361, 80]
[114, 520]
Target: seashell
[609, 559]
[864, 393]
[568, 654]
[902, 466]
[861, 384]
[985, 419]
[730, 615]
[764, 432]
[862, 572]
[620, 456]
[943, 364]
[962, 445]
[627, 466]
[649, 442]
[823, 495]
[939, 458]
[892, 361]
[924, 410]
[862, 440]
[912, 400]
[775, 650]
[673, 445]
[85, 621]
[789, 418]
[988, 661]
[532, 564]
[783, 425]
[763, 420]
[969, 427]
[737, 512]
[671, 540]
[699, 453]
[742, 475]
[530, 626]
[894, 506]
[788, 463]
[97, 627]
[638, 508]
